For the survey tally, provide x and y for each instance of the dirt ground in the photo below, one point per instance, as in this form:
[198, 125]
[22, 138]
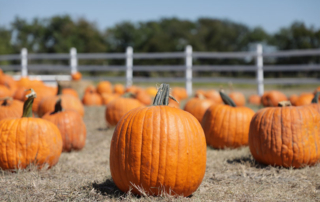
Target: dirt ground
[231, 175]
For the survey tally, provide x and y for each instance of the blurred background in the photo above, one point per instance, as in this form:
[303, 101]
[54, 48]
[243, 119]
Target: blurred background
[53, 27]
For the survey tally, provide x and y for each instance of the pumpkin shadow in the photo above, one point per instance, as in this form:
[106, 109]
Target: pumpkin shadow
[248, 160]
[108, 188]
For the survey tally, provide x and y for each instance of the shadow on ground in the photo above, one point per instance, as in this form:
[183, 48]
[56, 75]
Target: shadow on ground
[108, 188]
[247, 160]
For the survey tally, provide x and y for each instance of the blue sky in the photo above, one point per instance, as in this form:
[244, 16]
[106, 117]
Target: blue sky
[269, 14]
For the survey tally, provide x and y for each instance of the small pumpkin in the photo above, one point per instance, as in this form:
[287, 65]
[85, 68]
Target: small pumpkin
[118, 89]
[254, 99]
[158, 148]
[304, 99]
[71, 126]
[151, 91]
[198, 106]
[42, 92]
[27, 140]
[179, 93]
[119, 107]
[238, 98]
[272, 98]
[70, 91]
[76, 76]
[293, 98]
[107, 98]
[4, 91]
[227, 126]
[285, 136]
[214, 96]
[10, 108]
[104, 87]
[9, 82]
[143, 97]
[91, 98]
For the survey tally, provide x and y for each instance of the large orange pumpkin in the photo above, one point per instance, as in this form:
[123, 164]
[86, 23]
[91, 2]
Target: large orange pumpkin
[68, 102]
[27, 140]
[71, 126]
[254, 99]
[119, 107]
[198, 106]
[272, 98]
[104, 87]
[227, 125]
[10, 108]
[158, 149]
[285, 136]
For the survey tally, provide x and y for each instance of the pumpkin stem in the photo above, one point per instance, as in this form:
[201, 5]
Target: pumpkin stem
[58, 106]
[284, 104]
[162, 96]
[129, 95]
[316, 98]
[59, 91]
[201, 96]
[226, 99]
[5, 100]
[27, 106]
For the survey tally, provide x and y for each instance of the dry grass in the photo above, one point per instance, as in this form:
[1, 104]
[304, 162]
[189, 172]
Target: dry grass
[231, 175]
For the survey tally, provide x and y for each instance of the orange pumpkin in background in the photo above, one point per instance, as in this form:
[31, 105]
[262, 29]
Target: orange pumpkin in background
[238, 98]
[4, 91]
[293, 98]
[198, 106]
[9, 82]
[119, 107]
[272, 98]
[214, 96]
[304, 99]
[152, 91]
[132, 89]
[107, 98]
[76, 76]
[10, 108]
[179, 93]
[71, 126]
[70, 91]
[285, 136]
[143, 97]
[104, 87]
[91, 97]
[227, 126]
[118, 89]
[254, 99]
[28, 140]
[158, 144]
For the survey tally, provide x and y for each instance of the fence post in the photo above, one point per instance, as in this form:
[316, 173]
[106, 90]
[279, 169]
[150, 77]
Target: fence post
[259, 75]
[129, 64]
[188, 52]
[24, 62]
[73, 60]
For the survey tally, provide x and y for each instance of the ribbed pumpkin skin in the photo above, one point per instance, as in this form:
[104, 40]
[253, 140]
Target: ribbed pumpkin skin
[158, 148]
[28, 140]
[68, 102]
[119, 107]
[13, 109]
[197, 107]
[285, 136]
[72, 129]
[226, 126]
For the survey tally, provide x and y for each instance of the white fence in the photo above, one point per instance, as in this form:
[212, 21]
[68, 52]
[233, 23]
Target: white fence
[189, 68]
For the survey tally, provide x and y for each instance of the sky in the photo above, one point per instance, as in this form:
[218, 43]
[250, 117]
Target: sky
[268, 14]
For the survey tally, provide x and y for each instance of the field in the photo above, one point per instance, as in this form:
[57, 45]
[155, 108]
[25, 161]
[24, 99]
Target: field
[231, 175]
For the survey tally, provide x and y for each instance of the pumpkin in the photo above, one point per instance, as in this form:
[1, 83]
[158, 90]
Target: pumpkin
[285, 136]
[71, 126]
[27, 140]
[159, 149]
[107, 98]
[238, 98]
[214, 96]
[151, 91]
[198, 106]
[20, 93]
[91, 97]
[227, 126]
[42, 92]
[10, 108]
[90, 89]
[199, 92]
[174, 103]
[9, 82]
[304, 99]
[132, 89]
[254, 99]
[68, 102]
[4, 91]
[104, 87]
[118, 89]
[143, 97]
[272, 98]
[119, 107]
[179, 93]
[76, 76]
[70, 91]
[293, 98]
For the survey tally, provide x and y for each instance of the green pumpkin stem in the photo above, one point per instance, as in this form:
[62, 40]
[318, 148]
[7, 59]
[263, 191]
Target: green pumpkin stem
[163, 95]
[58, 106]
[59, 91]
[316, 98]
[284, 104]
[226, 99]
[27, 106]
[5, 100]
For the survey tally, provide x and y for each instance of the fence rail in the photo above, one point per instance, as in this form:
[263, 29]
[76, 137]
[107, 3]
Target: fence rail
[188, 67]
